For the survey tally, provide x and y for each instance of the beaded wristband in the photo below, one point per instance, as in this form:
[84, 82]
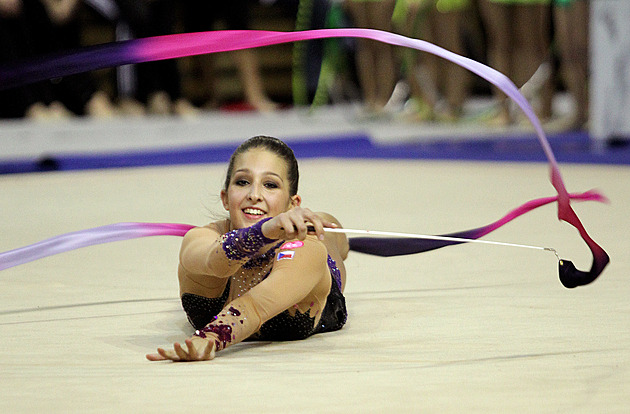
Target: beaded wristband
[245, 243]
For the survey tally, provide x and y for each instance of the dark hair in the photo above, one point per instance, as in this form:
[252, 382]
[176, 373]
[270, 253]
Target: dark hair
[275, 146]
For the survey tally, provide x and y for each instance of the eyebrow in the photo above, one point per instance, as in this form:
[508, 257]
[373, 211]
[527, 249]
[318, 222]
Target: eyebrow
[247, 170]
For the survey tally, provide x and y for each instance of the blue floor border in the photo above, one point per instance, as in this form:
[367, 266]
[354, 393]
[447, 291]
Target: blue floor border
[569, 147]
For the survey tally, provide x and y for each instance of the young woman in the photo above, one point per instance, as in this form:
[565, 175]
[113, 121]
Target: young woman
[269, 272]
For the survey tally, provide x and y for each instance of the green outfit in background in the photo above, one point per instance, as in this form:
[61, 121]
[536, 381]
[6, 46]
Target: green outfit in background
[521, 2]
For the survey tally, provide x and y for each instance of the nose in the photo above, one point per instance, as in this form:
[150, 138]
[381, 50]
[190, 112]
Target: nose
[254, 193]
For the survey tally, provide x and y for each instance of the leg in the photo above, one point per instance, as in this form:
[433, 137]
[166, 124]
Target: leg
[424, 92]
[337, 246]
[380, 15]
[249, 72]
[532, 37]
[455, 79]
[364, 55]
[572, 36]
[497, 19]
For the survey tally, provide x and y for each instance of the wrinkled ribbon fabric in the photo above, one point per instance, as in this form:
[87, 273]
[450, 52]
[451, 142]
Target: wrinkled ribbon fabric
[188, 44]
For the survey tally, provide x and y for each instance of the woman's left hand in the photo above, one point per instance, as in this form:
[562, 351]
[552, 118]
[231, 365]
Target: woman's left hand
[197, 349]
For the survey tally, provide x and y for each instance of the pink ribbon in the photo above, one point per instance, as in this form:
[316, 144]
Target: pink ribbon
[187, 44]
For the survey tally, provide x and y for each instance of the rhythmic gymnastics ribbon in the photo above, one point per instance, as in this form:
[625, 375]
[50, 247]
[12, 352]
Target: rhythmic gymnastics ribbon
[188, 44]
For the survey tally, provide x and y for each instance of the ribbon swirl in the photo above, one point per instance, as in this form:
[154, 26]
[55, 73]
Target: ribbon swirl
[188, 44]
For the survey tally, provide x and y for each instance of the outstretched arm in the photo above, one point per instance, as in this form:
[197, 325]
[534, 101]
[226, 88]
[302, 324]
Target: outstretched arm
[205, 251]
[304, 275]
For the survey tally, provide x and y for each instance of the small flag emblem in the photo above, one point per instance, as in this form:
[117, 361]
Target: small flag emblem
[286, 255]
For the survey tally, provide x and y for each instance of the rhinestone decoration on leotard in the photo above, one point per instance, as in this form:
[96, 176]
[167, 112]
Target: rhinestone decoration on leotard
[284, 327]
[201, 310]
[281, 327]
[242, 243]
[222, 331]
[334, 271]
[252, 272]
[221, 328]
[335, 314]
[263, 259]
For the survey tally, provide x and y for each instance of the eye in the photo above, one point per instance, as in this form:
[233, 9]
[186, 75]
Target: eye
[241, 182]
[271, 185]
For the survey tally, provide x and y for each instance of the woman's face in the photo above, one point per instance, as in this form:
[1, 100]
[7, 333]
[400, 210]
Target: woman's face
[258, 188]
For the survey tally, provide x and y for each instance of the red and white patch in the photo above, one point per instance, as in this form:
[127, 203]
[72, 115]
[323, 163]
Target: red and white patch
[286, 255]
[292, 245]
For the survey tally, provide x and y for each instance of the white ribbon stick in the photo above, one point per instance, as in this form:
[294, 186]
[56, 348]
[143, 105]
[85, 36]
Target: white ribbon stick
[429, 237]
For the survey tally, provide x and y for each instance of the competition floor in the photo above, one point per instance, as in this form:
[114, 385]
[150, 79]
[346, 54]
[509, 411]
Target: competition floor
[471, 328]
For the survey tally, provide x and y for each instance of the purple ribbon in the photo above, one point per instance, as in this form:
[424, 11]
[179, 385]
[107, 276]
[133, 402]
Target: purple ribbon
[188, 44]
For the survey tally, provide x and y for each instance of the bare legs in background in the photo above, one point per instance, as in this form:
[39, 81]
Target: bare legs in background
[375, 60]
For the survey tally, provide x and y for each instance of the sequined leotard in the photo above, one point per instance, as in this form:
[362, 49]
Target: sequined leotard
[283, 327]
[263, 289]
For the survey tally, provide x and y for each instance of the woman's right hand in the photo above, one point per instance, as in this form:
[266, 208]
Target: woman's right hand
[293, 224]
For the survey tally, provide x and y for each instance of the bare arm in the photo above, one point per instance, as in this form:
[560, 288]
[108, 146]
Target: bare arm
[202, 253]
[205, 251]
[305, 275]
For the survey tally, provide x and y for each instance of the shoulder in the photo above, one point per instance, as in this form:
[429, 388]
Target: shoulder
[211, 230]
[221, 227]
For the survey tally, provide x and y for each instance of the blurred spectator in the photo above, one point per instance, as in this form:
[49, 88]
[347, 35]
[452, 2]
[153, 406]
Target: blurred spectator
[571, 22]
[15, 41]
[10, 8]
[517, 44]
[201, 15]
[30, 28]
[439, 88]
[376, 65]
[77, 92]
[157, 85]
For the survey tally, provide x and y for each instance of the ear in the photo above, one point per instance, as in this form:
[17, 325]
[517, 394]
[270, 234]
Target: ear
[296, 200]
[225, 200]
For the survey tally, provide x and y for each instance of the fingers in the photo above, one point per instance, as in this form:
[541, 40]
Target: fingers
[181, 354]
[192, 353]
[288, 226]
[162, 355]
[209, 352]
[298, 222]
[316, 224]
[206, 347]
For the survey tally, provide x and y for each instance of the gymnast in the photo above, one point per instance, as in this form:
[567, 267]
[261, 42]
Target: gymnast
[268, 272]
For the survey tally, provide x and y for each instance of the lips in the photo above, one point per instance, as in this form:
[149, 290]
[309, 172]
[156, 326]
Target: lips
[253, 213]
